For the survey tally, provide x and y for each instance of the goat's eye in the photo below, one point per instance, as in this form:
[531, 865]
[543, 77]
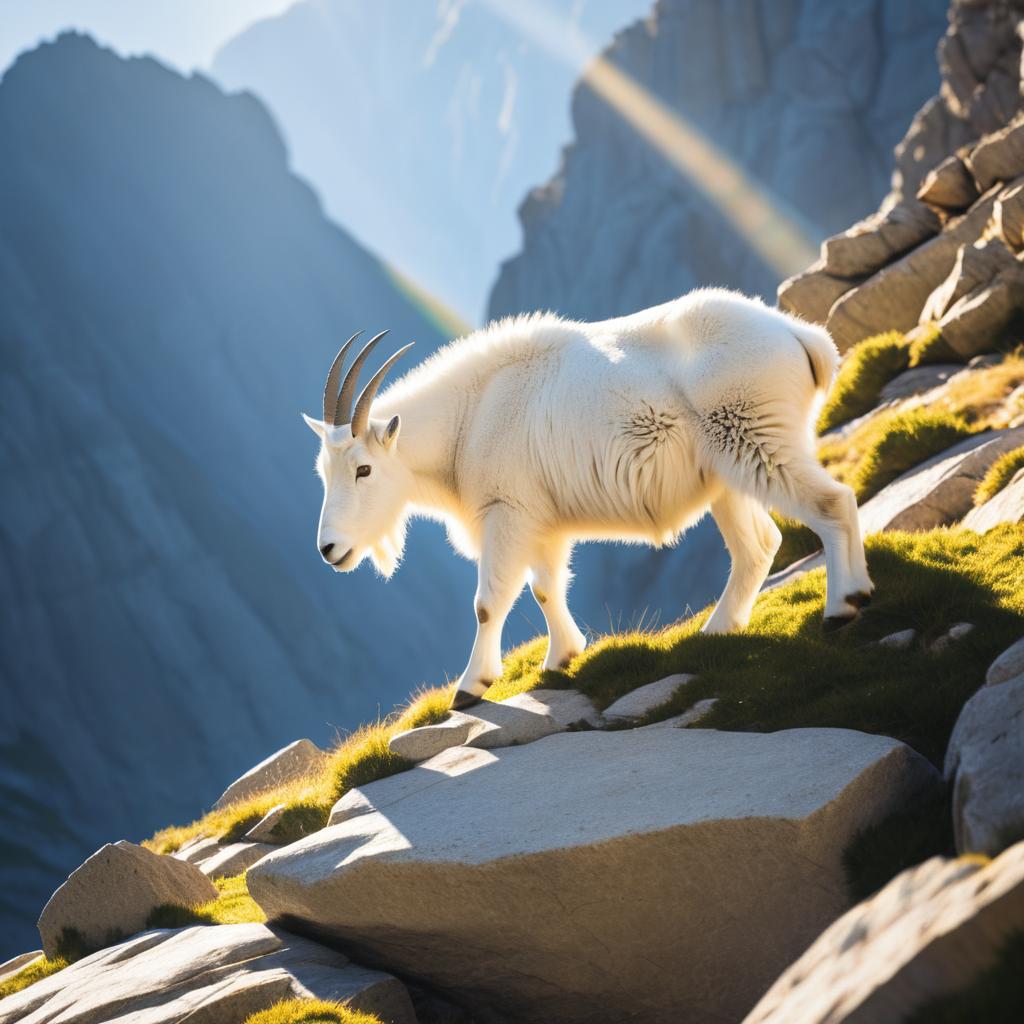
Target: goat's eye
[362, 471]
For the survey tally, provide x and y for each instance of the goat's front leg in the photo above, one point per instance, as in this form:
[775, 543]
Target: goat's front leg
[500, 577]
[550, 576]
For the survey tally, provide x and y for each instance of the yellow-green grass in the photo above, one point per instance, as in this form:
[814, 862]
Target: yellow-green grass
[31, 973]
[996, 995]
[355, 760]
[930, 347]
[978, 399]
[785, 672]
[233, 905]
[865, 370]
[999, 474]
[906, 440]
[310, 1011]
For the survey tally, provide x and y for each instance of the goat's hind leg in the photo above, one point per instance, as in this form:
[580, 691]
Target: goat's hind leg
[752, 538]
[549, 581]
[805, 491]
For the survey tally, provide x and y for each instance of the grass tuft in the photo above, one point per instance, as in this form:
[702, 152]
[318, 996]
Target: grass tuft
[31, 973]
[784, 672]
[930, 347]
[233, 905]
[907, 440]
[999, 474]
[865, 370]
[310, 1011]
[355, 760]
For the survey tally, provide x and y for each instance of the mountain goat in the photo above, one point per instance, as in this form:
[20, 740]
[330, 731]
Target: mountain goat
[537, 432]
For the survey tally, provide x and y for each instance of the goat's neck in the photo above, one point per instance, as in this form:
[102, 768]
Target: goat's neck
[433, 420]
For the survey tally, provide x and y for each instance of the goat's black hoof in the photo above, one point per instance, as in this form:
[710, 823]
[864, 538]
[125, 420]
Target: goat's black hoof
[832, 623]
[859, 600]
[463, 700]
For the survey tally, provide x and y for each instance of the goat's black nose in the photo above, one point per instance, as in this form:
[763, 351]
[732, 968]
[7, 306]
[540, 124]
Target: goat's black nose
[326, 551]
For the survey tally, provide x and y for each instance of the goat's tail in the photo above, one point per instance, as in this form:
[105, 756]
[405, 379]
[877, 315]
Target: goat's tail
[821, 351]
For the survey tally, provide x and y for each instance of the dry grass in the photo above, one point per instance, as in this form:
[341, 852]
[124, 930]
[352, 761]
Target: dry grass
[355, 760]
[31, 973]
[233, 905]
[865, 370]
[999, 474]
[310, 1011]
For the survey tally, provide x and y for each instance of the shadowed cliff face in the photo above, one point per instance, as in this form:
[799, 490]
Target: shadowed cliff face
[170, 299]
[808, 97]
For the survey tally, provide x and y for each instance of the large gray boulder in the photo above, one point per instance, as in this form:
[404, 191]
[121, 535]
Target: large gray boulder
[985, 763]
[656, 874]
[940, 490]
[289, 763]
[206, 975]
[112, 893]
[929, 933]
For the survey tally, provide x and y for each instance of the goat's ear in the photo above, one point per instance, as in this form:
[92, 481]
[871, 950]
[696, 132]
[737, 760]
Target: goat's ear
[317, 426]
[388, 435]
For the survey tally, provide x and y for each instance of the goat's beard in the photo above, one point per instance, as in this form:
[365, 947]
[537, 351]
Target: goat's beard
[386, 554]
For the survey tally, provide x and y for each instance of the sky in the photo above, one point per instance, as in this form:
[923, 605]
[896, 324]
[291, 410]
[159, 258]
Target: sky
[185, 34]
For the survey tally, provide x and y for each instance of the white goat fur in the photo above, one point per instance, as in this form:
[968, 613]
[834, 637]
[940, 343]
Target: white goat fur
[536, 432]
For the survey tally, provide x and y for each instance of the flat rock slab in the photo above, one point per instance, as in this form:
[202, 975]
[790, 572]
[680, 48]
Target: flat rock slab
[114, 891]
[1006, 506]
[644, 699]
[289, 763]
[216, 974]
[985, 760]
[525, 718]
[918, 380]
[929, 933]
[941, 490]
[652, 874]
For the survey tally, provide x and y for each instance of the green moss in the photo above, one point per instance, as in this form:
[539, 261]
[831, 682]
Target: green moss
[784, 672]
[310, 1011]
[865, 370]
[930, 347]
[999, 474]
[798, 541]
[233, 905]
[879, 853]
[995, 997]
[908, 439]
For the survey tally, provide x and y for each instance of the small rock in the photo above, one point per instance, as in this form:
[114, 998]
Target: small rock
[929, 933]
[1007, 666]
[813, 293]
[899, 641]
[693, 715]
[233, 859]
[1006, 506]
[16, 963]
[917, 381]
[881, 238]
[569, 708]
[999, 156]
[985, 758]
[426, 741]
[954, 633]
[291, 762]
[1008, 216]
[989, 315]
[644, 699]
[113, 892]
[263, 830]
[949, 186]
[207, 974]
[195, 851]
[975, 266]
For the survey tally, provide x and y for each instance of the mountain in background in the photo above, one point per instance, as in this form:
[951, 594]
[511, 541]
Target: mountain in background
[170, 299]
[809, 97]
[422, 124]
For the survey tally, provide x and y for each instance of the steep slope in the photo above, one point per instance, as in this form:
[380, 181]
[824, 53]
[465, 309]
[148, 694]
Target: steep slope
[421, 124]
[809, 97]
[170, 297]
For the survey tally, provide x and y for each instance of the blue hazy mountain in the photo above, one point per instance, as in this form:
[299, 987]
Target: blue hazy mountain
[422, 124]
[170, 299]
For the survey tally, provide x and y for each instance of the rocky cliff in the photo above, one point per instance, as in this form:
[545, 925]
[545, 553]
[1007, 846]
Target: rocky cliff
[808, 97]
[170, 296]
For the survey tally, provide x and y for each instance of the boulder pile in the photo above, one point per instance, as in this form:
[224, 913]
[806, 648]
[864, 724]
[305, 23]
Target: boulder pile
[946, 245]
